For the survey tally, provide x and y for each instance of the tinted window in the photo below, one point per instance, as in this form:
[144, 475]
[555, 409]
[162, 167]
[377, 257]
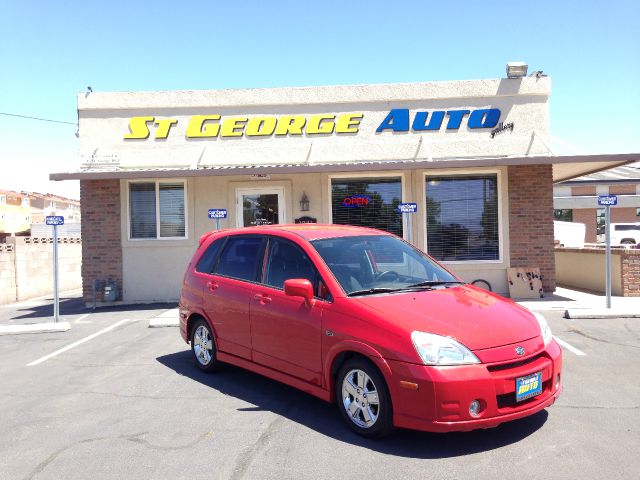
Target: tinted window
[240, 258]
[462, 217]
[205, 265]
[287, 261]
[370, 202]
[627, 228]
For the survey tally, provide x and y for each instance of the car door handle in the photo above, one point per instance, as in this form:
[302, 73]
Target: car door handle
[212, 286]
[262, 298]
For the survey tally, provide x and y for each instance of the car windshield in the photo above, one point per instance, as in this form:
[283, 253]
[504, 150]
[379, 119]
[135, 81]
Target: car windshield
[370, 264]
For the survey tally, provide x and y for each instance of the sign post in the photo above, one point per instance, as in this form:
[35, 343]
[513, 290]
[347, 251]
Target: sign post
[54, 221]
[405, 208]
[216, 214]
[607, 201]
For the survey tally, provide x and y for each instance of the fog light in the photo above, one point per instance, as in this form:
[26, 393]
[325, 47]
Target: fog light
[475, 408]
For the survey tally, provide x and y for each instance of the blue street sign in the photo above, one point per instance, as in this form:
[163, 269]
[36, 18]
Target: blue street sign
[54, 220]
[215, 213]
[408, 208]
[607, 200]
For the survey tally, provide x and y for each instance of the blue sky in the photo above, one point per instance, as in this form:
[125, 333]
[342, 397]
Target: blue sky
[50, 51]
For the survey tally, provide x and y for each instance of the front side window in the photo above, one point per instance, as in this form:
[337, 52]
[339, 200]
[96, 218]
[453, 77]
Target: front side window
[462, 217]
[157, 210]
[287, 261]
[367, 202]
[240, 258]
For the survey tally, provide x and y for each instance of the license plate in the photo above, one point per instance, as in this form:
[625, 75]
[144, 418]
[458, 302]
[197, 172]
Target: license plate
[529, 386]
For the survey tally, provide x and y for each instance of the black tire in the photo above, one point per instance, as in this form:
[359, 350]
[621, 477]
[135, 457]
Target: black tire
[383, 424]
[201, 335]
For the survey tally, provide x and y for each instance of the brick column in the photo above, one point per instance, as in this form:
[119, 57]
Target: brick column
[531, 220]
[101, 238]
[630, 273]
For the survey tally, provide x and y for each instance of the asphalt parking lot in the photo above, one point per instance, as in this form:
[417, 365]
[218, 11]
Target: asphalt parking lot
[127, 402]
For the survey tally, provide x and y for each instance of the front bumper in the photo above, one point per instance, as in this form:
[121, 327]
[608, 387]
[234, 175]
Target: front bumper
[440, 403]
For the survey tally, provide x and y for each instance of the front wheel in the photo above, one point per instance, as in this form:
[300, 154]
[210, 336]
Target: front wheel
[363, 399]
[203, 347]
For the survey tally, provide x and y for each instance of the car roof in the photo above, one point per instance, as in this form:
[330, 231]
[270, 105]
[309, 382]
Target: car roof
[308, 231]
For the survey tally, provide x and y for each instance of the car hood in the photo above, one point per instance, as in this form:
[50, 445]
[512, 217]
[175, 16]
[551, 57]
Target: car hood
[476, 318]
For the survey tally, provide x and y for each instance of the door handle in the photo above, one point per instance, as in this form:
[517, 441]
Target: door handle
[262, 298]
[212, 286]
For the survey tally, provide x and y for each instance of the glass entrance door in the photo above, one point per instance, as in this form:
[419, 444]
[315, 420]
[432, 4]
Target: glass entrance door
[260, 206]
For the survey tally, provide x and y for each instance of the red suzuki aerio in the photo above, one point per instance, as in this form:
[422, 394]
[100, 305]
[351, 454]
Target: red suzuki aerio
[362, 318]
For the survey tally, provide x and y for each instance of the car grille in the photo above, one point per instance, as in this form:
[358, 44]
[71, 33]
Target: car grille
[506, 366]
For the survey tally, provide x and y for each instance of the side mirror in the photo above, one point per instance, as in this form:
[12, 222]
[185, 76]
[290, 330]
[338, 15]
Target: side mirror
[299, 287]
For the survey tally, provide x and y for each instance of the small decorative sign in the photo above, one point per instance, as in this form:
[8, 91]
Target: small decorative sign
[306, 219]
[54, 220]
[607, 200]
[215, 213]
[407, 208]
[260, 176]
[356, 201]
[502, 127]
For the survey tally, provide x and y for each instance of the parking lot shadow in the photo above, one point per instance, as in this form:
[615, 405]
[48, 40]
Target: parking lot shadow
[297, 406]
[75, 305]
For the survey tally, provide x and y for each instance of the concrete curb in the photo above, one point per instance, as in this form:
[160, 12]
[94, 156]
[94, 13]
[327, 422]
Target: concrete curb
[34, 328]
[163, 322]
[165, 319]
[577, 313]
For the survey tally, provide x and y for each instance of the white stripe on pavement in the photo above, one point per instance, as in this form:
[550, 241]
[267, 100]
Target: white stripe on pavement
[571, 348]
[79, 342]
[80, 320]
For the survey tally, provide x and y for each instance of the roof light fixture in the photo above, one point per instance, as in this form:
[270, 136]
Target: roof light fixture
[516, 69]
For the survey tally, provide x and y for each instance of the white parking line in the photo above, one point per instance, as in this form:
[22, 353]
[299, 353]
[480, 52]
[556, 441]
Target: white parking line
[79, 342]
[571, 348]
[80, 320]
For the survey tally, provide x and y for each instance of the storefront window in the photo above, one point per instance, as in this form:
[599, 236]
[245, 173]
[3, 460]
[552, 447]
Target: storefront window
[156, 210]
[462, 217]
[367, 202]
[600, 221]
[563, 215]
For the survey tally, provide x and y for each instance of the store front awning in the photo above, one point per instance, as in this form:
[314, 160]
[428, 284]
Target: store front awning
[564, 167]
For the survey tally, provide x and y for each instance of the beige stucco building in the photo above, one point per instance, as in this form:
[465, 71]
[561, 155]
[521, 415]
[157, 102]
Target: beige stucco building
[473, 156]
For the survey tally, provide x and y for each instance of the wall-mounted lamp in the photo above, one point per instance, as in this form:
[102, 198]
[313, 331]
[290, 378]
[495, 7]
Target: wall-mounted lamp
[516, 69]
[304, 203]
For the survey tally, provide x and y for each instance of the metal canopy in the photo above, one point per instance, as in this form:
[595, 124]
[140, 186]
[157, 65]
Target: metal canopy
[564, 167]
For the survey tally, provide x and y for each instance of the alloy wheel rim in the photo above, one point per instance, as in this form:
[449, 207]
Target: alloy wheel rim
[202, 345]
[360, 398]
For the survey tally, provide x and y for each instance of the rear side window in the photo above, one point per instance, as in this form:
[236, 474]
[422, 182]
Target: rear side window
[208, 259]
[287, 261]
[240, 258]
[627, 228]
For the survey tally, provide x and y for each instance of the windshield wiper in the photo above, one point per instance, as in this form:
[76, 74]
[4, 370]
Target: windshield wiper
[434, 283]
[372, 291]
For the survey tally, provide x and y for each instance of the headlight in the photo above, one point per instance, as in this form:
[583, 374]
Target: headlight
[439, 350]
[544, 327]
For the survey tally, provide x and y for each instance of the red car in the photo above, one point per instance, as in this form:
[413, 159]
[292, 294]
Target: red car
[362, 318]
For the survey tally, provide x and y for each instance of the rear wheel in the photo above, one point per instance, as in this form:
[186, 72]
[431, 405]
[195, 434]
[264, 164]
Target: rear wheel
[203, 347]
[363, 398]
